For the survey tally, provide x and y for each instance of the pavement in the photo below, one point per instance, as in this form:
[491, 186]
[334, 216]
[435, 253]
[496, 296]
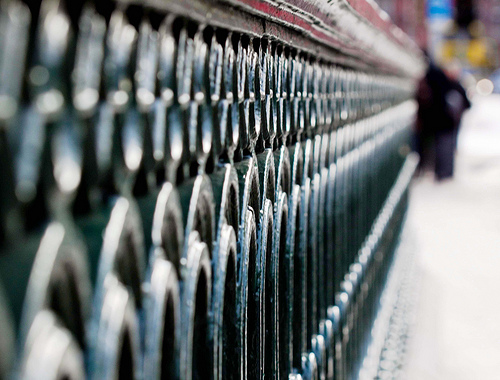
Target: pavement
[455, 226]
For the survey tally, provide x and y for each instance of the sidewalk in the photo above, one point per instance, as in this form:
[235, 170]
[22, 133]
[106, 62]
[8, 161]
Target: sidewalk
[456, 225]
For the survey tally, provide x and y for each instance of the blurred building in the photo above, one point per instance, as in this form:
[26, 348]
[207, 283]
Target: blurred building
[464, 30]
[410, 16]
[466, 38]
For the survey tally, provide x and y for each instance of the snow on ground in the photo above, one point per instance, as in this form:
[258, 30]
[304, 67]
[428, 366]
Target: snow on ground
[457, 227]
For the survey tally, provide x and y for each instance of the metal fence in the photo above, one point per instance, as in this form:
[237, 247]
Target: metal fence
[199, 189]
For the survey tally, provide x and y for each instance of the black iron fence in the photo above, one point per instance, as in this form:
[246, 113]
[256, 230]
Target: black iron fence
[198, 190]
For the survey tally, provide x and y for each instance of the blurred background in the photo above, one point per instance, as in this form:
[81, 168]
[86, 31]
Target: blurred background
[454, 225]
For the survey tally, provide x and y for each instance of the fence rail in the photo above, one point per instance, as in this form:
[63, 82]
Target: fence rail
[199, 189]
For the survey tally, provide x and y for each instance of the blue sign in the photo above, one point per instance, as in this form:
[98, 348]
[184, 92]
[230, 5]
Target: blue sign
[439, 9]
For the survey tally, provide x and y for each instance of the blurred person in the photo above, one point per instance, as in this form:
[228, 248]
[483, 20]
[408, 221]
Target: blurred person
[423, 138]
[442, 101]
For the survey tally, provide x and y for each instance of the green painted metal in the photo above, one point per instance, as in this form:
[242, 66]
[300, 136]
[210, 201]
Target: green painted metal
[197, 190]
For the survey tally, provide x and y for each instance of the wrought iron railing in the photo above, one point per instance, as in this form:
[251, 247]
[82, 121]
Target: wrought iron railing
[198, 189]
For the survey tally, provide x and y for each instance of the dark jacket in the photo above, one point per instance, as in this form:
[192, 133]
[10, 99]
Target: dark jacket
[441, 101]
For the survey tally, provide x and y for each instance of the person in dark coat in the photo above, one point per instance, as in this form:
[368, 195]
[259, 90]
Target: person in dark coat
[440, 111]
[423, 139]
